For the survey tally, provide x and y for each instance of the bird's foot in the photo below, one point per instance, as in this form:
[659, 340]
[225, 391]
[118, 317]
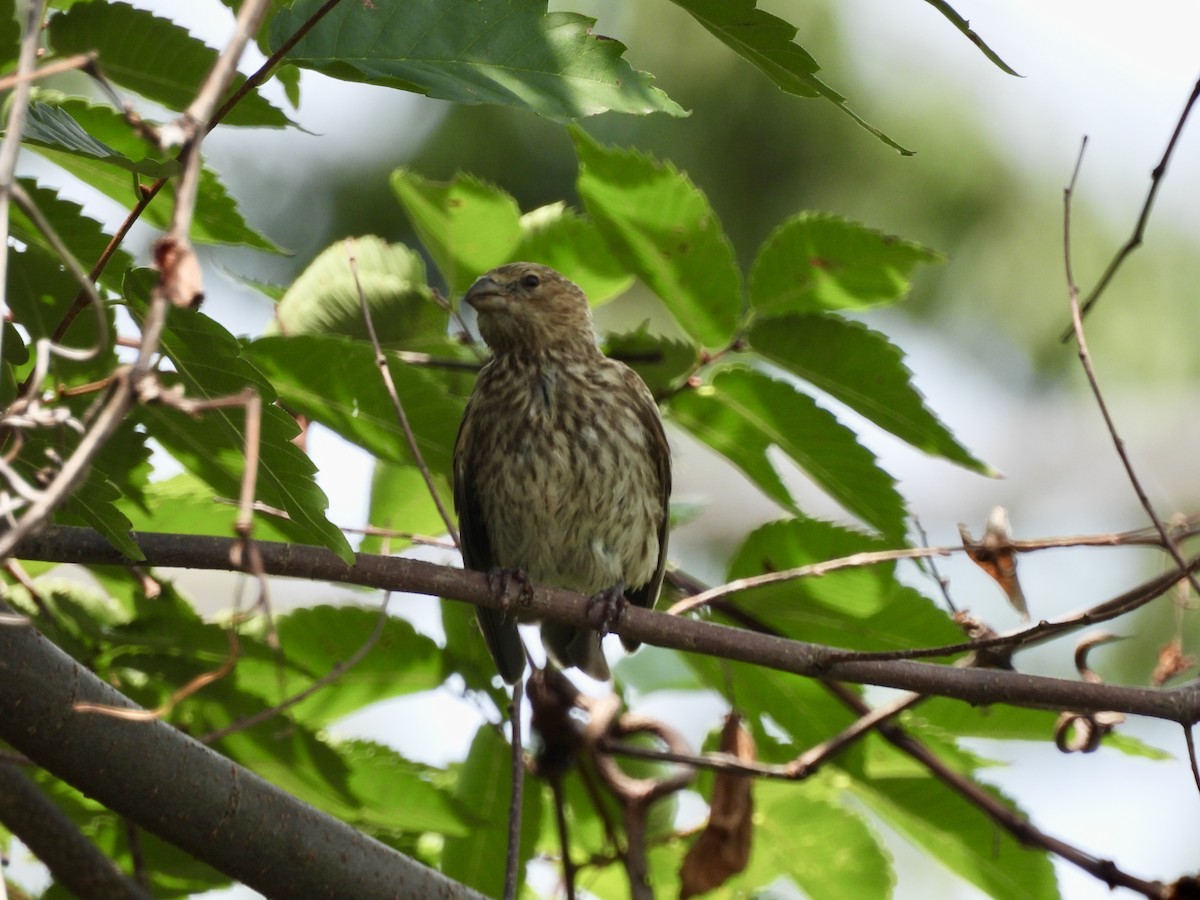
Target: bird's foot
[501, 580]
[612, 603]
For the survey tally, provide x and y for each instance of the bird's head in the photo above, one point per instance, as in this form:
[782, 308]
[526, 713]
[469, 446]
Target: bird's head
[528, 308]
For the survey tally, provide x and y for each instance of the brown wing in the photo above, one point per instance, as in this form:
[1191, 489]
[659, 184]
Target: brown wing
[499, 630]
[647, 412]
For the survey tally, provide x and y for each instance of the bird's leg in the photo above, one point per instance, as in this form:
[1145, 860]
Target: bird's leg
[612, 603]
[501, 579]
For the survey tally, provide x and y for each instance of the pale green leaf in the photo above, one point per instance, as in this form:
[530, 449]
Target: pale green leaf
[663, 229]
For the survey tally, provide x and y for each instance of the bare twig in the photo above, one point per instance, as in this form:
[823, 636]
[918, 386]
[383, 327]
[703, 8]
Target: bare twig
[389, 384]
[1139, 230]
[512, 858]
[1085, 357]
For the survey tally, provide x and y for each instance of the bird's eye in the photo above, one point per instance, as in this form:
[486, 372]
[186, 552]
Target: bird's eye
[531, 281]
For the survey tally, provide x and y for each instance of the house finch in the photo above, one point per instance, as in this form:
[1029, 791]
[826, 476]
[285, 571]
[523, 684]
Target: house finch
[562, 473]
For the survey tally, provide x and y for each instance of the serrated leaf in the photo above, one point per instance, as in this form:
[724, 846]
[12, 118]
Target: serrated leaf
[816, 262]
[965, 27]
[83, 236]
[509, 52]
[324, 298]
[210, 364]
[862, 369]
[93, 503]
[397, 795]
[806, 834]
[467, 225]
[315, 640]
[73, 125]
[661, 361]
[742, 414]
[663, 229]
[557, 236]
[217, 219]
[184, 504]
[400, 501]
[153, 56]
[350, 398]
[957, 833]
[766, 41]
[863, 608]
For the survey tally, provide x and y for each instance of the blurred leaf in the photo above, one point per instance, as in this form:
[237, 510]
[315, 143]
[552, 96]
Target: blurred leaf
[662, 227]
[467, 225]
[862, 608]
[83, 236]
[350, 399]
[400, 501]
[396, 794]
[153, 56]
[210, 364]
[184, 504]
[743, 413]
[766, 41]
[862, 369]
[816, 262]
[957, 833]
[510, 52]
[74, 125]
[661, 361]
[557, 236]
[324, 298]
[965, 27]
[316, 640]
[217, 219]
[840, 858]
[484, 788]
[10, 33]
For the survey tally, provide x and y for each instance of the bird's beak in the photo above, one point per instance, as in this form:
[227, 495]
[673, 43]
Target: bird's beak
[485, 294]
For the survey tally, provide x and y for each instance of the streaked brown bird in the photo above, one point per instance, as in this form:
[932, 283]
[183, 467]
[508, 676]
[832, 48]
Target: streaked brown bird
[562, 472]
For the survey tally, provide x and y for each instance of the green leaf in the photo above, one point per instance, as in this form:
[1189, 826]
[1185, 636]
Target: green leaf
[661, 361]
[400, 501]
[153, 56]
[816, 262]
[958, 834]
[210, 365]
[862, 369]
[350, 399]
[965, 27]
[557, 236]
[75, 126]
[185, 505]
[743, 413]
[863, 608]
[662, 227]
[217, 218]
[83, 236]
[805, 833]
[317, 639]
[467, 225]
[484, 788]
[509, 52]
[397, 795]
[93, 503]
[10, 33]
[766, 41]
[324, 298]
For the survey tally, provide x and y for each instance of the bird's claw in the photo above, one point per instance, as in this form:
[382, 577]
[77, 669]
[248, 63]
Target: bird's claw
[612, 603]
[499, 582]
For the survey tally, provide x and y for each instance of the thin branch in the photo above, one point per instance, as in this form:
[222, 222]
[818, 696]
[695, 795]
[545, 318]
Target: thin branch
[86, 547]
[1085, 359]
[512, 858]
[1139, 230]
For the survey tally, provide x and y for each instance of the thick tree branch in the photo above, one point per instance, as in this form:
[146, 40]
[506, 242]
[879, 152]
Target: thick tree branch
[188, 794]
[976, 686]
